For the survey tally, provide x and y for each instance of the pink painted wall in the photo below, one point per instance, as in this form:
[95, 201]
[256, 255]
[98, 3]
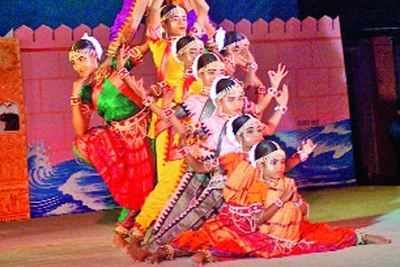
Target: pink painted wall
[312, 50]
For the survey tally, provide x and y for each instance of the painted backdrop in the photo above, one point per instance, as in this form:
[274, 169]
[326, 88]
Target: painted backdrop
[318, 107]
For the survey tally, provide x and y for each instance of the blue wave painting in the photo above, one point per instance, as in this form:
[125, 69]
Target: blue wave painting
[68, 187]
[332, 161]
[74, 187]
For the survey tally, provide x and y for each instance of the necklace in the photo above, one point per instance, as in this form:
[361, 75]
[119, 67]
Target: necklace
[270, 181]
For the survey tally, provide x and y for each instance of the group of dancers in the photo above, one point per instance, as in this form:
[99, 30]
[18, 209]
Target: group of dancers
[188, 158]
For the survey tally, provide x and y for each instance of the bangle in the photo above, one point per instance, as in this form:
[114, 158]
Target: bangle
[261, 90]
[168, 112]
[75, 101]
[279, 203]
[281, 109]
[148, 101]
[123, 73]
[252, 66]
[273, 92]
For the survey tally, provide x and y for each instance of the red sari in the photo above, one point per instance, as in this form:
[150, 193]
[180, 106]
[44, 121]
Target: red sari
[120, 150]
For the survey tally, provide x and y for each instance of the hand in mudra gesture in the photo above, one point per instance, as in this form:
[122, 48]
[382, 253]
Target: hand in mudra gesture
[276, 77]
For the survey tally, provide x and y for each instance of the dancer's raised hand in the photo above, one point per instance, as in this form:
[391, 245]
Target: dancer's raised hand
[275, 77]
[123, 55]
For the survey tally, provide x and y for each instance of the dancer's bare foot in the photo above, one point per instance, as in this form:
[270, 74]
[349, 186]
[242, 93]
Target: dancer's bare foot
[119, 241]
[375, 239]
[163, 253]
[136, 252]
[202, 257]
[120, 235]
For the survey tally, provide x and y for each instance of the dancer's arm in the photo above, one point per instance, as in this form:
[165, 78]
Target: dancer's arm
[154, 19]
[275, 78]
[126, 24]
[270, 211]
[80, 118]
[306, 148]
[279, 111]
[202, 9]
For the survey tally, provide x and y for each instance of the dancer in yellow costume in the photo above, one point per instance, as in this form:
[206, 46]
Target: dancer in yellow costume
[174, 70]
[170, 166]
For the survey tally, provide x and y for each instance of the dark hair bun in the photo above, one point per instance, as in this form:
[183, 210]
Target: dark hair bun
[264, 148]
[206, 59]
[239, 122]
[183, 41]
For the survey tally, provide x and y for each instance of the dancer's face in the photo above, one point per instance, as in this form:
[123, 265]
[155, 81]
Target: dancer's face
[232, 103]
[176, 25]
[251, 134]
[210, 72]
[84, 62]
[274, 165]
[239, 47]
[188, 56]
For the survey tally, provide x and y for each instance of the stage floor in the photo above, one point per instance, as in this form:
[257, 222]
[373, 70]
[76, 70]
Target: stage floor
[85, 239]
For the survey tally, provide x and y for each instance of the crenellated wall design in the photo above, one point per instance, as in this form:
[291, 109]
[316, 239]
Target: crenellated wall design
[312, 50]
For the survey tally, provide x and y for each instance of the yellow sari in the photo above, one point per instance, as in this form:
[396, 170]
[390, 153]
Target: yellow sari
[169, 169]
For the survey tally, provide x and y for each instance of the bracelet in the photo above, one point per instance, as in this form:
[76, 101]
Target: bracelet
[281, 109]
[148, 101]
[123, 73]
[168, 112]
[273, 92]
[75, 100]
[279, 203]
[251, 66]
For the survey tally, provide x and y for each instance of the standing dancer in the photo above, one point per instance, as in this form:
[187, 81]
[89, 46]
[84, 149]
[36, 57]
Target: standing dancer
[119, 151]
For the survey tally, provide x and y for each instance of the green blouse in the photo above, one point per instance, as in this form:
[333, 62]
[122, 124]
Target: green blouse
[111, 104]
